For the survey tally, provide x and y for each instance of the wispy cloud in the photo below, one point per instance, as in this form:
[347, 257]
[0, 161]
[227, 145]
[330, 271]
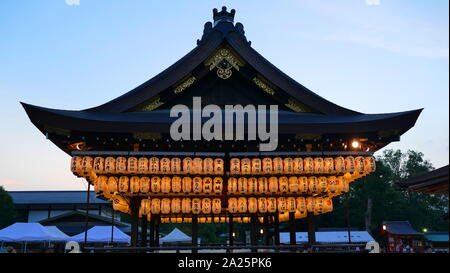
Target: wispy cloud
[373, 2]
[73, 2]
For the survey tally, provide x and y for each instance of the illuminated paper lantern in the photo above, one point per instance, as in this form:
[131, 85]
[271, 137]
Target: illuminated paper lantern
[208, 165]
[197, 165]
[271, 205]
[267, 165]
[207, 185]
[333, 185]
[345, 186]
[96, 185]
[288, 165]
[232, 205]
[175, 206]
[300, 214]
[291, 204]
[135, 186]
[297, 165]
[87, 164]
[252, 205]
[359, 164]
[283, 184]
[186, 205]
[206, 205]
[256, 166]
[146, 206]
[322, 184]
[217, 185]
[303, 184]
[281, 204]
[176, 184]
[164, 165]
[196, 205]
[273, 185]
[165, 184]
[132, 165]
[121, 164]
[165, 205]
[216, 220]
[187, 184]
[216, 206]
[252, 185]
[76, 165]
[242, 185]
[197, 184]
[318, 206]
[263, 186]
[328, 165]
[293, 184]
[155, 206]
[340, 181]
[124, 184]
[369, 164]
[179, 220]
[175, 165]
[155, 184]
[318, 165]
[143, 165]
[99, 164]
[153, 165]
[242, 205]
[308, 165]
[339, 164]
[232, 186]
[277, 165]
[187, 165]
[120, 204]
[300, 204]
[349, 164]
[113, 184]
[310, 203]
[110, 164]
[327, 205]
[144, 183]
[235, 166]
[218, 166]
[262, 205]
[246, 167]
[313, 185]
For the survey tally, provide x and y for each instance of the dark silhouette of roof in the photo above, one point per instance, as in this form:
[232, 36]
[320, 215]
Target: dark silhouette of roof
[435, 181]
[400, 228]
[54, 197]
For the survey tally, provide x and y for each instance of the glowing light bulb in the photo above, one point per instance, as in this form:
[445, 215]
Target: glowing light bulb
[355, 144]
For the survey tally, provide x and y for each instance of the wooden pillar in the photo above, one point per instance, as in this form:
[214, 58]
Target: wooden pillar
[347, 218]
[253, 232]
[194, 232]
[311, 229]
[276, 223]
[157, 223]
[87, 213]
[152, 230]
[134, 207]
[230, 231]
[144, 226]
[292, 228]
[266, 230]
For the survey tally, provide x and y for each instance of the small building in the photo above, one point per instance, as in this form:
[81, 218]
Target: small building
[401, 236]
[437, 240]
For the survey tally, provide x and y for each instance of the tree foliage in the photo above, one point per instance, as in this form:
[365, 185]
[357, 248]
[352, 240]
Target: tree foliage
[7, 213]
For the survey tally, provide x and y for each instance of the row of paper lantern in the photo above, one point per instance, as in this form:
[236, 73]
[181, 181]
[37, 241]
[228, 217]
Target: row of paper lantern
[298, 165]
[181, 206]
[83, 165]
[283, 217]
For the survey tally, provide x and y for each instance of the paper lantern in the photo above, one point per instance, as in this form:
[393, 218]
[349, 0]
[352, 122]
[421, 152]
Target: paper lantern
[207, 185]
[303, 184]
[267, 165]
[124, 184]
[339, 164]
[99, 164]
[271, 205]
[232, 185]
[153, 165]
[313, 185]
[187, 184]
[143, 165]
[132, 165]
[262, 185]
[235, 166]
[175, 206]
[349, 164]
[121, 164]
[281, 204]
[310, 203]
[102, 184]
[120, 204]
[165, 184]
[359, 164]
[318, 165]
[322, 184]
[216, 220]
[187, 165]
[145, 206]
[288, 165]
[332, 185]
[95, 184]
[217, 185]
[256, 166]
[175, 165]
[252, 205]
[232, 205]
[165, 205]
[252, 185]
[176, 184]
[197, 165]
[242, 205]
[173, 220]
[196, 205]
[262, 205]
[308, 165]
[297, 165]
[186, 205]
[300, 204]
[300, 214]
[242, 185]
[218, 166]
[340, 181]
[327, 205]
[197, 184]
[155, 184]
[206, 205]
[369, 164]
[75, 164]
[202, 220]
[144, 183]
[345, 185]
[290, 204]
[112, 184]
[110, 164]
[164, 165]
[208, 165]
[328, 165]
[293, 184]
[246, 166]
[155, 206]
[216, 206]
[135, 186]
[87, 164]
[277, 165]
[283, 184]
[273, 184]
[318, 206]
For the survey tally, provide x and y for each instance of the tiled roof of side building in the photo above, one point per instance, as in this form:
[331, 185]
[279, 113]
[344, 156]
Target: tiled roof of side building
[54, 197]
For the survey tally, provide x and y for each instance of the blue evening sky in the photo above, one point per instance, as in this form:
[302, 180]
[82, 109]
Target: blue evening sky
[373, 56]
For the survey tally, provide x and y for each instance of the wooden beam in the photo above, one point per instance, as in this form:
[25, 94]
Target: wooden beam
[311, 228]
[292, 228]
[194, 232]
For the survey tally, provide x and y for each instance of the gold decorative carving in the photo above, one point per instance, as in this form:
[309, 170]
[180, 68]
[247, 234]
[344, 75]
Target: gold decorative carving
[152, 105]
[266, 88]
[296, 106]
[224, 61]
[180, 88]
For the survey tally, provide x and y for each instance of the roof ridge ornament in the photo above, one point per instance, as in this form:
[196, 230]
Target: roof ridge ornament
[223, 16]
[224, 60]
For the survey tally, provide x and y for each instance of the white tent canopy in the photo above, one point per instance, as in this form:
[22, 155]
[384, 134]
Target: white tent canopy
[102, 234]
[30, 232]
[55, 230]
[176, 236]
[329, 237]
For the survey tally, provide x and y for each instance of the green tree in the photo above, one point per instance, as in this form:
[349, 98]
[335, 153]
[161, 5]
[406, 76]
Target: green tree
[7, 213]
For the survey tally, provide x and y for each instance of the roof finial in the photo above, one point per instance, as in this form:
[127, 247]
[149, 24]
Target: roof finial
[223, 15]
